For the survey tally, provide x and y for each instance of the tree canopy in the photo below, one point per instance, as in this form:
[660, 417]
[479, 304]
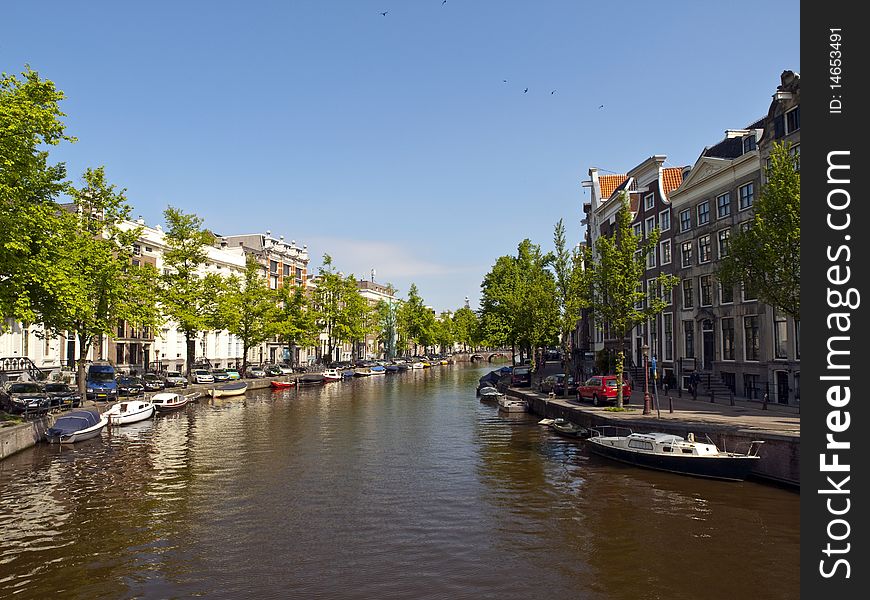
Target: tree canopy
[766, 256]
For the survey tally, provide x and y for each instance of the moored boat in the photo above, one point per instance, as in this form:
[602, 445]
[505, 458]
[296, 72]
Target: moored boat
[667, 452]
[567, 428]
[362, 372]
[280, 385]
[490, 394]
[510, 405]
[169, 401]
[311, 378]
[234, 388]
[332, 375]
[131, 411]
[76, 426]
[378, 370]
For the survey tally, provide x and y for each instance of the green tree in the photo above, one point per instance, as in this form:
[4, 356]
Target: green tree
[416, 322]
[572, 286]
[189, 297]
[249, 308]
[386, 323]
[466, 327]
[518, 301]
[618, 300]
[445, 336]
[341, 310]
[30, 121]
[296, 322]
[101, 286]
[766, 257]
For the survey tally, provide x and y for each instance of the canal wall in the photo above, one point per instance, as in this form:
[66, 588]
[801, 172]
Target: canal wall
[18, 437]
[780, 462]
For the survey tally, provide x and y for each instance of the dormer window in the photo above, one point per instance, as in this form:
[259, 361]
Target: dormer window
[793, 120]
[749, 143]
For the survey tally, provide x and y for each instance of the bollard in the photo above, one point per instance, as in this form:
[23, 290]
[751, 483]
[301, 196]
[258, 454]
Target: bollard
[764, 402]
[712, 395]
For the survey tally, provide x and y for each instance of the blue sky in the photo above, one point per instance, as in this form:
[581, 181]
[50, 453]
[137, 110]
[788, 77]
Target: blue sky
[393, 142]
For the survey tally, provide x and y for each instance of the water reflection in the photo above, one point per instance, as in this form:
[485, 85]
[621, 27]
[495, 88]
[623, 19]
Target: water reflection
[391, 487]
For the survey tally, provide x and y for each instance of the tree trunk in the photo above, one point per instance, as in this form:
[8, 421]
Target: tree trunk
[245, 349]
[191, 352]
[84, 343]
[620, 358]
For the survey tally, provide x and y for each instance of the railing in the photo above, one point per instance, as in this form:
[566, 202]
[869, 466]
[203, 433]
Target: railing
[21, 364]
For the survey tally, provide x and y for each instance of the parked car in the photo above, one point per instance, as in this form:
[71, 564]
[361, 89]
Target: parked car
[233, 373]
[603, 389]
[286, 369]
[521, 376]
[62, 395]
[101, 382]
[18, 397]
[201, 376]
[129, 386]
[256, 372]
[556, 384]
[272, 370]
[220, 375]
[152, 382]
[174, 379]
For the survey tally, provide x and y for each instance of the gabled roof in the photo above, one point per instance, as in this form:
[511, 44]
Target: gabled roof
[609, 183]
[672, 177]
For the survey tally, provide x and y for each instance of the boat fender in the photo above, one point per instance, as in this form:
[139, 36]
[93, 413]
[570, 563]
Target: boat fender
[691, 437]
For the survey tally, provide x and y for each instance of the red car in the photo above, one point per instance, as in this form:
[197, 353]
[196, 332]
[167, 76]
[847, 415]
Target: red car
[602, 389]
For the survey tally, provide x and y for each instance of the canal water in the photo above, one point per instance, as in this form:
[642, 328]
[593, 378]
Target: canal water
[398, 486]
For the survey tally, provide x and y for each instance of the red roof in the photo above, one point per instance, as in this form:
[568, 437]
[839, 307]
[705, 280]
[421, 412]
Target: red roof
[609, 183]
[672, 177]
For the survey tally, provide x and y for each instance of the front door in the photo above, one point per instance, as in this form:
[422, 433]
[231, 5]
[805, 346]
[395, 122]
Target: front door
[709, 343]
[782, 387]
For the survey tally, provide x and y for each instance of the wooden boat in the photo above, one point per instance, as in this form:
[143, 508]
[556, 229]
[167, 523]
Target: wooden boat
[131, 411]
[281, 385]
[362, 372]
[169, 401]
[567, 428]
[234, 388]
[667, 452]
[76, 426]
[510, 405]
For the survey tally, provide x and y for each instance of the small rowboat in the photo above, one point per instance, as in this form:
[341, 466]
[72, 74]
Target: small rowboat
[236, 388]
[567, 428]
[76, 426]
[280, 385]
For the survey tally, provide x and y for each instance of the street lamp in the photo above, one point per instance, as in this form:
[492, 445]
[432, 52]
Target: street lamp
[646, 398]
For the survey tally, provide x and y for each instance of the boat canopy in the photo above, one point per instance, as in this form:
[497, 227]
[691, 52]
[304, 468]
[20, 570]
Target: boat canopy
[75, 421]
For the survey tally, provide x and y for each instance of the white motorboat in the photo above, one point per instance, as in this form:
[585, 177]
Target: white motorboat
[332, 375]
[508, 404]
[546, 422]
[668, 452]
[131, 411]
[490, 394]
[235, 388]
[169, 401]
[76, 426]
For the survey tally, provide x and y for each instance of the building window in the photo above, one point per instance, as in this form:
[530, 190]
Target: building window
[665, 220]
[704, 248]
[724, 237]
[273, 266]
[137, 262]
[273, 282]
[750, 336]
[650, 225]
[685, 220]
[652, 290]
[686, 254]
[286, 270]
[780, 336]
[666, 252]
[726, 294]
[688, 293]
[668, 295]
[793, 120]
[796, 152]
[723, 205]
[727, 338]
[149, 249]
[703, 212]
[706, 297]
[638, 229]
[747, 195]
[689, 338]
[748, 293]
[749, 143]
[137, 250]
[119, 354]
[649, 201]
[651, 258]
[668, 330]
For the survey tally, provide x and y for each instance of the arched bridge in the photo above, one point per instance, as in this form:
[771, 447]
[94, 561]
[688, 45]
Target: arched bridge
[488, 356]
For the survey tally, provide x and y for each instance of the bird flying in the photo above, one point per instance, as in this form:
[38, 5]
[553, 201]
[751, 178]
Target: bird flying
[525, 90]
[385, 13]
[553, 92]
[602, 106]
